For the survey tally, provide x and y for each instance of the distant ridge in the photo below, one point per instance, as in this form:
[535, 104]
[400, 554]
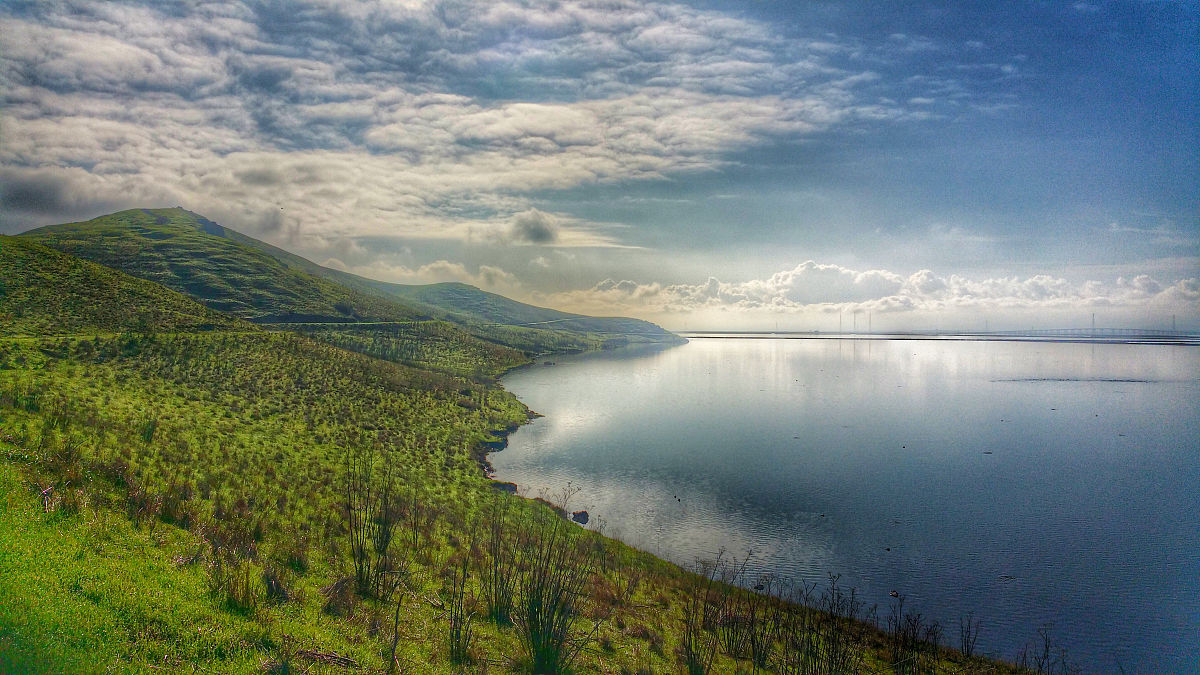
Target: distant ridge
[465, 304]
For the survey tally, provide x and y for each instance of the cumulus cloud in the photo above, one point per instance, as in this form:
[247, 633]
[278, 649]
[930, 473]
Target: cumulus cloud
[813, 287]
[487, 277]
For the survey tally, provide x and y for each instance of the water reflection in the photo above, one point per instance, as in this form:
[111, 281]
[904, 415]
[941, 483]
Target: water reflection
[1026, 482]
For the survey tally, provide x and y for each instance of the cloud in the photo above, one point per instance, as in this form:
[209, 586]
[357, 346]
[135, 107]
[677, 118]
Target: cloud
[34, 191]
[1163, 234]
[487, 277]
[408, 118]
[534, 227]
[29, 196]
[814, 287]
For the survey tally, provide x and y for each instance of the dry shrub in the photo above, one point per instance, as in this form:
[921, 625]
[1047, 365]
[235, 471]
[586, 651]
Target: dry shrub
[340, 599]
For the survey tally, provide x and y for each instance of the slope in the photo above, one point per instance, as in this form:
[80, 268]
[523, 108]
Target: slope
[235, 273]
[46, 292]
[465, 304]
[468, 305]
[191, 254]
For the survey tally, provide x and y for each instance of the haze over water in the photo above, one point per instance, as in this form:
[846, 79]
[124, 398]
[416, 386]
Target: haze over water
[1028, 483]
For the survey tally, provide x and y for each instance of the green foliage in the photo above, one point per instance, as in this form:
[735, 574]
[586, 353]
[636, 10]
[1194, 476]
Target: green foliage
[90, 593]
[554, 566]
[193, 255]
[49, 293]
[433, 345]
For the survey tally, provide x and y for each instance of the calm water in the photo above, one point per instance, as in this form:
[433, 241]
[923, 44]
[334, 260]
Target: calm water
[1028, 483]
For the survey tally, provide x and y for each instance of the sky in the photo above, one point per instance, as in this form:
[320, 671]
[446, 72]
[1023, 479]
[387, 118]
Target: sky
[705, 165]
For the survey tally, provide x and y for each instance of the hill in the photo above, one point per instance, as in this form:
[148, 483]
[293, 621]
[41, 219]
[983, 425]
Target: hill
[468, 305]
[193, 255]
[235, 273]
[46, 292]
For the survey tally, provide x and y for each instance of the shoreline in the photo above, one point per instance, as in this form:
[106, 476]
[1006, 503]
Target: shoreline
[483, 450]
[1181, 340]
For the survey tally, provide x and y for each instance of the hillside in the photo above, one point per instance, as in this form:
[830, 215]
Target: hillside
[240, 275]
[221, 269]
[468, 305]
[195, 256]
[46, 292]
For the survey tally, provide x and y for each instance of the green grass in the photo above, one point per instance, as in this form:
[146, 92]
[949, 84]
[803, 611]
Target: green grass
[434, 345]
[91, 593]
[45, 292]
[193, 255]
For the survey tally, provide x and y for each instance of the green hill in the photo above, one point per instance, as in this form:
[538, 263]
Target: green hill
[191, 254]
[235, 273]
[468, 305]
[46, 292]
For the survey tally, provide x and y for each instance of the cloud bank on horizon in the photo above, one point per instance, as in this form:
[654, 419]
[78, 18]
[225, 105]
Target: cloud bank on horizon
[1040, 159]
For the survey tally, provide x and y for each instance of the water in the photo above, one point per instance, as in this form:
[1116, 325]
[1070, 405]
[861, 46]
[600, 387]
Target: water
[1026, 483]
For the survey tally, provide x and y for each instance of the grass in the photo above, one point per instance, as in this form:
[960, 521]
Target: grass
[433, 345]
[45, 292]
[193, 255]
[88, 592]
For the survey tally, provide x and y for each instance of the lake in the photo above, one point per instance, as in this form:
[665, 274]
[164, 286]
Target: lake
[1028, 483]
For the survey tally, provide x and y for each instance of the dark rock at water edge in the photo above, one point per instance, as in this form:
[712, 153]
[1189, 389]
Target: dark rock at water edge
[580, 517]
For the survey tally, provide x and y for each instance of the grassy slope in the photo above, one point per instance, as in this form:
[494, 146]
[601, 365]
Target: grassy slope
[91, 592]
[465, 304]
[45, 292]
[233, 273]
[193, 255]
[433, 345]
[253, 430]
